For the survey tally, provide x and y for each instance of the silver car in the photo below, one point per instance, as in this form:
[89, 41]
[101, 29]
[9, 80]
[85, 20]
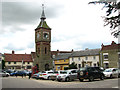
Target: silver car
[3, 74]
[45, 75]
[111, 72]
[67, 75]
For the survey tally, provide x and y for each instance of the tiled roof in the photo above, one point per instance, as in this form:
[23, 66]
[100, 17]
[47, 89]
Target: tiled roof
[87, 52]
[62, 56]
[111, 47]
[43, 24]
[18, 57]
[58, 52]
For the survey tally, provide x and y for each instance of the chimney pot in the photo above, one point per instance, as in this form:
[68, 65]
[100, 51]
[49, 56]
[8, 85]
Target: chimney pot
[113, 43]
[13, 52]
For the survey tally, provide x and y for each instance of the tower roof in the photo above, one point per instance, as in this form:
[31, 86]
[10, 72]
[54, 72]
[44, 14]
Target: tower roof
[43, 23]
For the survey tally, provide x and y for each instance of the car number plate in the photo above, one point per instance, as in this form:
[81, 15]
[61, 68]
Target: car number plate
[81, 78]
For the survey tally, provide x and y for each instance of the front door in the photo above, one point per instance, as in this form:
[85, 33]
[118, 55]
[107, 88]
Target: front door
[46, 67]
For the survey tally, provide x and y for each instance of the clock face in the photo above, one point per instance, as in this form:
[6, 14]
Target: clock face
[46, 35]
[38, 35]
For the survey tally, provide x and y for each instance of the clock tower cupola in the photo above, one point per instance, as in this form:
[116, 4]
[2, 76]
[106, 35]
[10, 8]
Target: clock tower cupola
[43, 44]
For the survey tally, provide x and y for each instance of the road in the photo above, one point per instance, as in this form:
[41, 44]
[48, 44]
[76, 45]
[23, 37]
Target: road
[19, 82]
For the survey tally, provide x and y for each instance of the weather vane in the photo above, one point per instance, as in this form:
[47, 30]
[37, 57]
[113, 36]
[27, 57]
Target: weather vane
[43, 6]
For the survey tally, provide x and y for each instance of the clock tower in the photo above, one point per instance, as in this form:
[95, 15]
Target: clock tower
[43, 44]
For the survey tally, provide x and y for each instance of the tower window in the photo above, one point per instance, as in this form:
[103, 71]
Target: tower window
[38, 50]
[45, 50]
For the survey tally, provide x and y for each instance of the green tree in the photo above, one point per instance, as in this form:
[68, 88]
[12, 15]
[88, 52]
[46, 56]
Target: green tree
[111, 19]
[73, 66]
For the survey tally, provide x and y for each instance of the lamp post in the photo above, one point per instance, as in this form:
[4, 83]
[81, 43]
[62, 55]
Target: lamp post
[101, 59]
[53, 65]
[82, 63]
[22, 64]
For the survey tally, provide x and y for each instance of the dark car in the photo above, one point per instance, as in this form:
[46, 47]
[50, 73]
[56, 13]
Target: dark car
[10, 71]
[89, 73]
[20, 73]
[13, 73]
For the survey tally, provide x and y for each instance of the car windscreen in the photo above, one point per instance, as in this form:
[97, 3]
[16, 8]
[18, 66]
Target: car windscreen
[56, 72]
[43, 72]
[82, 69]
[50, 72]
[63, 72]
[108, 70]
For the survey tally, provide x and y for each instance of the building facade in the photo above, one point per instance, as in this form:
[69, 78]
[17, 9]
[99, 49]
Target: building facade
[110, 55]
[62, 61]
[88, 57]
[18, 61]
[43, 58]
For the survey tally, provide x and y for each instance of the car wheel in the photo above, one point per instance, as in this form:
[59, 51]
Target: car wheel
[59, 80]
[111, 76]
[49, 78]
[67, 79]
[91, 78]
[81, 80]
[119, 76]
[36, 78]
[101, 77]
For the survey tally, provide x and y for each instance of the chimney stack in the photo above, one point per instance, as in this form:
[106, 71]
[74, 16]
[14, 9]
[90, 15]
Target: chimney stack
[113, 43]
[13, 52]
[86, 48]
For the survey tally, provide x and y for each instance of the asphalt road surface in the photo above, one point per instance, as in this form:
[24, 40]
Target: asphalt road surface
[19, 82]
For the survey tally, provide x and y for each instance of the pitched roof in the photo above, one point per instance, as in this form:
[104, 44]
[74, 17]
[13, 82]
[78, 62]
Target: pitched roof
[87, 52]
[62, 56]
[18, 57]
[43, 24]
[110, 47]
[59, 52]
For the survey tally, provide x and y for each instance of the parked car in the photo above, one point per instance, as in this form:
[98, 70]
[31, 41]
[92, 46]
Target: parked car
[99, 68]
[67, 75]
[3, 74]
[89, 73]
[13, 73]
[118, 71]
[20, 73]
[54, 75]
[6, 73]
[45, 75]
[10, 71]
[26, 71]
[110, 72]
[36, 75]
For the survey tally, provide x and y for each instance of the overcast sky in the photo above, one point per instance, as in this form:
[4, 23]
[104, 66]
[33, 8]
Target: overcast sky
[75, 25]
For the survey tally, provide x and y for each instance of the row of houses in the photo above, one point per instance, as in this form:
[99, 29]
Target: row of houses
[106, 56]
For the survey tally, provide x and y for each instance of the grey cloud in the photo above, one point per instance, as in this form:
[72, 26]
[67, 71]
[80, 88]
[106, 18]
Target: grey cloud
[31, 45]
[20, 13]
[10, 46]
[90, 45]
